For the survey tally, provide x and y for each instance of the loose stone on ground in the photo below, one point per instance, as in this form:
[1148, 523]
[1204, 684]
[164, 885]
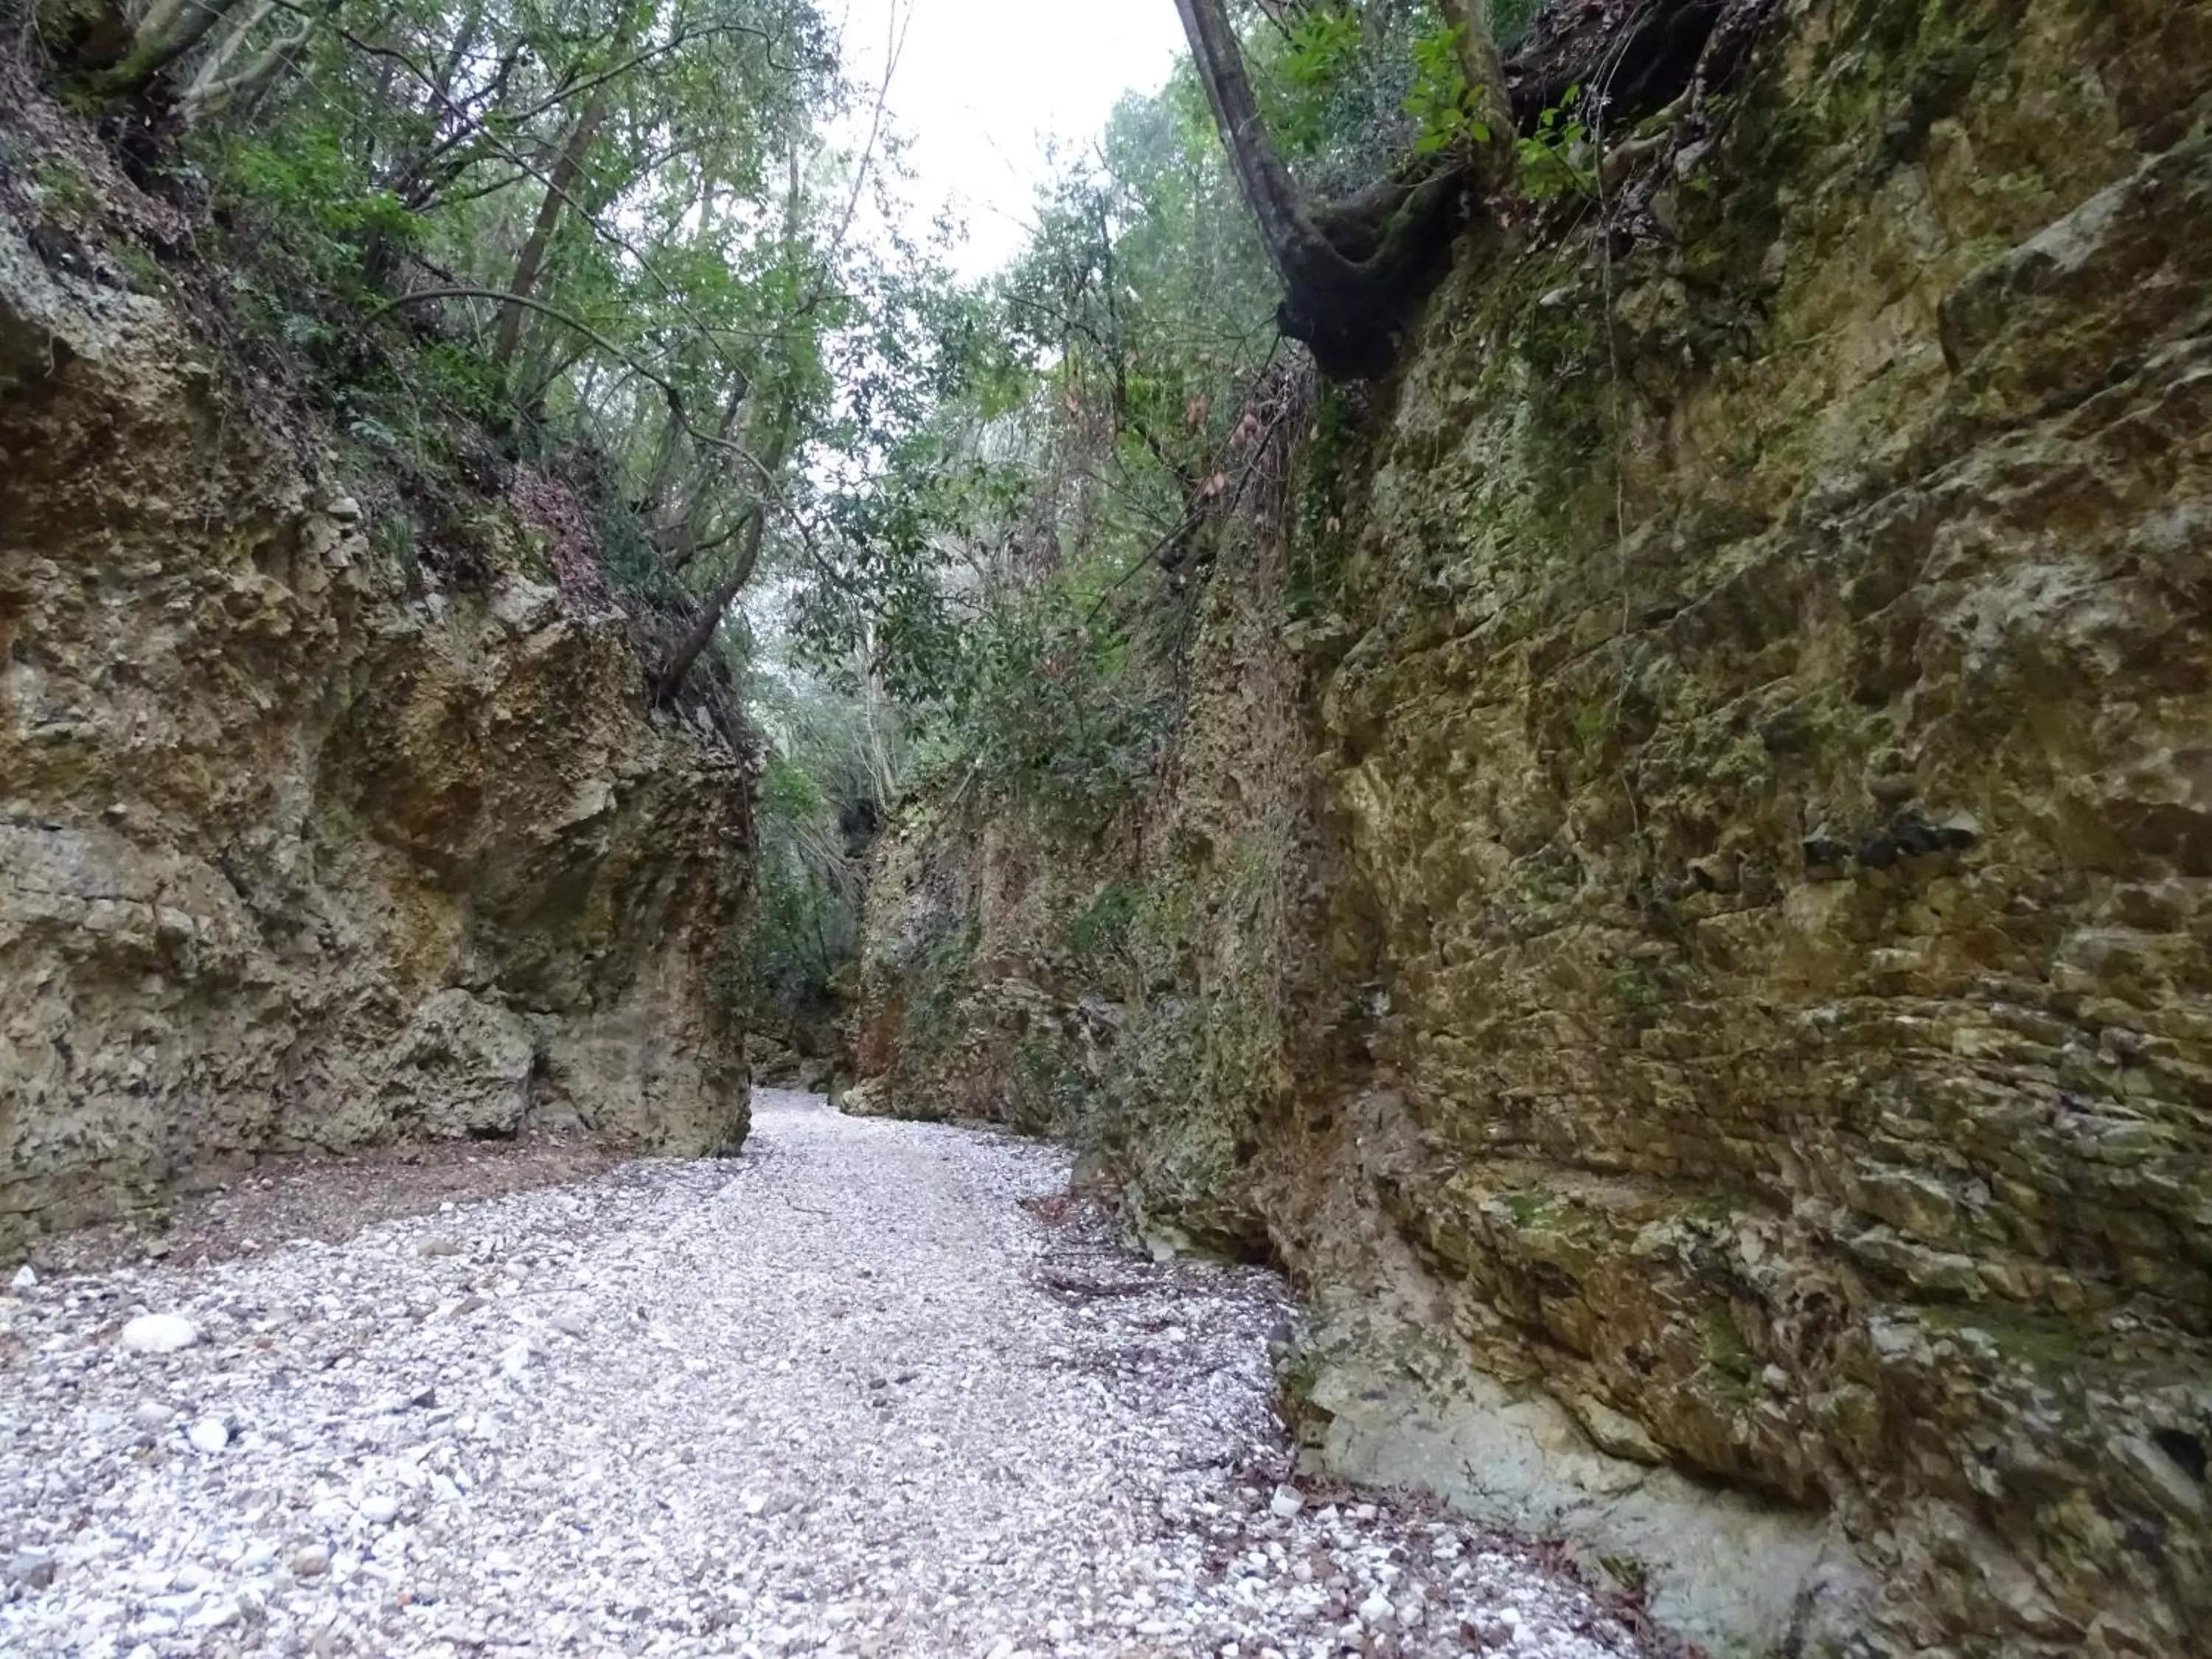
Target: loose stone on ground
[856, 1392]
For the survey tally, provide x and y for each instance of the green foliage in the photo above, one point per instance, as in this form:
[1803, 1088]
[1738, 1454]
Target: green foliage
[464, 379]
[1324, 45]
[306, 188]
[819, 801]
[1103, 929]
[1511, 20]
[1348, 90]
[1319, 60]
[1049, 709]
[64, 186]
[1443, 107]
[392, 535]
[1334, 83]
[1016, 569]
[1557, 160]
[1635, 990]
[789, 792]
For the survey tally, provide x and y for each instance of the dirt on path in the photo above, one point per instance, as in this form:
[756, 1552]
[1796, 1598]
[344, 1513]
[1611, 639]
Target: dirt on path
[871, 1388]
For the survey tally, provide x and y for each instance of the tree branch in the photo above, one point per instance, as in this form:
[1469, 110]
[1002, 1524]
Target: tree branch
[668, 388]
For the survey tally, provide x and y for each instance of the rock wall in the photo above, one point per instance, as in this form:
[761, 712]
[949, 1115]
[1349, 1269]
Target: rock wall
[1680, 906]
[305, 841]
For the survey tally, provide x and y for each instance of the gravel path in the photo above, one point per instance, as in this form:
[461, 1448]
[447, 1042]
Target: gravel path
[873, 1388]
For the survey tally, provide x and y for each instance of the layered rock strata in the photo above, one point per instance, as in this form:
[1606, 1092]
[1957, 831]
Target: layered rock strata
[1687, 919]
[309, 836]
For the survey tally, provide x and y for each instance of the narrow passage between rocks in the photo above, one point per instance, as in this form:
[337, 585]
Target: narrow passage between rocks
[872, 1388]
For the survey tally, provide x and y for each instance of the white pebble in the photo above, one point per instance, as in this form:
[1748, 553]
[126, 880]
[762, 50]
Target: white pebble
[210, 1434]
[159, 1333]
[215, 1616]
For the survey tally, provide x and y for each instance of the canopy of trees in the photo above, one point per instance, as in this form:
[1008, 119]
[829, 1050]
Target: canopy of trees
[653, 237]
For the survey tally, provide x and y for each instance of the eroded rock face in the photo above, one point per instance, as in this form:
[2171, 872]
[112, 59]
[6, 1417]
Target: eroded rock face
[296, 847]
[1705, 970]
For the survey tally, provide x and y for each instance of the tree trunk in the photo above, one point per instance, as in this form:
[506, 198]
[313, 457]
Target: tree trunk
[672, 673]
[169, 29]
[1476, 39]
[1352, 277]
[682, 537]
[464, 41]
[1301, 253]
[677, 668]
[243, 21]
[559, 183]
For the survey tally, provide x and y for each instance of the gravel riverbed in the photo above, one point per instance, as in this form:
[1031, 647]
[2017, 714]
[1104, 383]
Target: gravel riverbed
[871, 1388]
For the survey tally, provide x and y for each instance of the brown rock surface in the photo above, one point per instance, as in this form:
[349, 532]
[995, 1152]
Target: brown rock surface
[300, 846]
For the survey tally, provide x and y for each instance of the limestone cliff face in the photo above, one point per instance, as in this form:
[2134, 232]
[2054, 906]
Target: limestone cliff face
[1686, 919]
[299, 845]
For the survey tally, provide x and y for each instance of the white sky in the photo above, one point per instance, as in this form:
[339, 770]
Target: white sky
[984, 84]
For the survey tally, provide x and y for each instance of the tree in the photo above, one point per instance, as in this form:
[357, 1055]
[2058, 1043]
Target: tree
[1352, 272]
[165, 32]
[221, 80]
[562, 179]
